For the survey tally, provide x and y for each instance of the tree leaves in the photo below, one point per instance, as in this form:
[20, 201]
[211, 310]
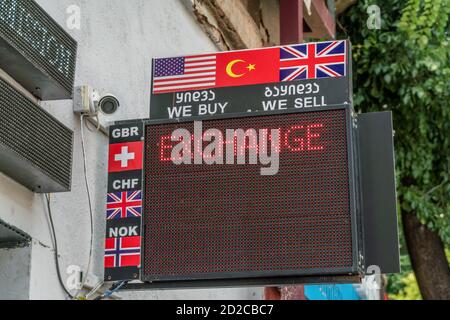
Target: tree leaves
[406, 66]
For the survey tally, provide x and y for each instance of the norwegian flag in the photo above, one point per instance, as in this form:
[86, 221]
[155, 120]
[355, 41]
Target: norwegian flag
[313, 61]
[123, 252]
[122, 205]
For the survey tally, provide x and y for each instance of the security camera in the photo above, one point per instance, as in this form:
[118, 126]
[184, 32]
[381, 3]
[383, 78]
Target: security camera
[90, 101]
[108, 104]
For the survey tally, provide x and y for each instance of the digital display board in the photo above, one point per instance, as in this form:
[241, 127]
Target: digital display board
[35, 50]
[226, 219]
[249, 172]
[35, 148]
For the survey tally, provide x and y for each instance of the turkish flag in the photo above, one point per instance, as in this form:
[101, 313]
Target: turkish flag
[125, 156]
[248, 67]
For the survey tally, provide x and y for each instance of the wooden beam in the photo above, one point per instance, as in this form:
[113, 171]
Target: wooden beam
[228, 24]
[321, 22]
[291, 21]
[342, 5]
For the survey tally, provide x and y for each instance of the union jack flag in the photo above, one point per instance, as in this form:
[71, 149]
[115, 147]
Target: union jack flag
[313, 61]
[123, 252]
[122, 205]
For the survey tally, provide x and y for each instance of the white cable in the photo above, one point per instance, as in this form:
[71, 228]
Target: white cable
[89, 202]
[95, 289]
[55, 246]
[97, 128]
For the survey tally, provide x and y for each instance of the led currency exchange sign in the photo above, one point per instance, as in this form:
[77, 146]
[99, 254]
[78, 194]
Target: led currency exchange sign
[244, 172]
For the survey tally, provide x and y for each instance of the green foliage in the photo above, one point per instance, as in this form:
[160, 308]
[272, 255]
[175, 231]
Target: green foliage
[404, 67]
[410, 290]
[403, 286]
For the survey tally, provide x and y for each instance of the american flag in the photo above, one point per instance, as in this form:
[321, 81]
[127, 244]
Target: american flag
[123, 252]
[313, 61]
[184, 73]
[124, 205]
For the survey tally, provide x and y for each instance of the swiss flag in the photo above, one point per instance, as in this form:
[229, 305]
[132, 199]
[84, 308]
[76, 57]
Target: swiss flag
[125, 156]
[248, 67]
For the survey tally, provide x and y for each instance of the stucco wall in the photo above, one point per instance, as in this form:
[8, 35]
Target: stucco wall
[116, 42]
[15, 273]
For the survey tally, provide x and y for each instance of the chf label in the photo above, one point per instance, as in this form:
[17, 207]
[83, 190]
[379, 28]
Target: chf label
[125, 181]
[125, 184]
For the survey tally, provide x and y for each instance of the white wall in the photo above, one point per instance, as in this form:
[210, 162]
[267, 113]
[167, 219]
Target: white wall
[15, 273]
[116, 42]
